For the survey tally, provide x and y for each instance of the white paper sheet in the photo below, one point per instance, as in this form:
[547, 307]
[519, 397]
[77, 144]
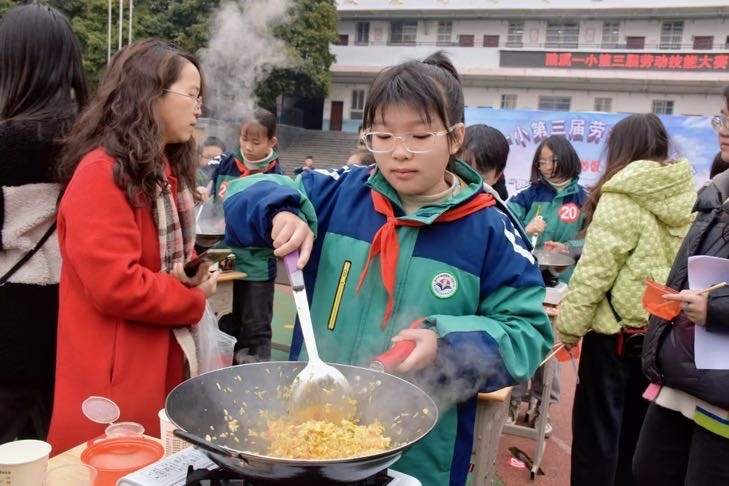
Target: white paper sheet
[711, 350]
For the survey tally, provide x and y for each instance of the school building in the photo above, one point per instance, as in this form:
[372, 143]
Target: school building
[661, 56]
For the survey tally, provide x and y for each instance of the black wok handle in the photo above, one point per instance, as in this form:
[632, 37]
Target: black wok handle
[224, 457]
[200, 442]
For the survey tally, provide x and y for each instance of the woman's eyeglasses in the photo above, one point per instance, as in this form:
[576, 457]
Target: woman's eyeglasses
[719, 122]
[197, 99]
[414, 142]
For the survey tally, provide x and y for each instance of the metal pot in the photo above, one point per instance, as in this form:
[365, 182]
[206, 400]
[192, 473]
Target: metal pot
[553, 260]
[199, 407]
[552, 264]
[209, 223]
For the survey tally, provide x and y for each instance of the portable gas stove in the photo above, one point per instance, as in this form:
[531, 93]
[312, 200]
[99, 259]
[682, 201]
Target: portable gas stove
[191, 467]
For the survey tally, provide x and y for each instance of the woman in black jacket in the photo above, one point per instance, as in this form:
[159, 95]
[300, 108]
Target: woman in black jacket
[685, 435]
[42, 86]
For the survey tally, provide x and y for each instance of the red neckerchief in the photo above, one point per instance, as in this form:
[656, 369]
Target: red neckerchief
[385, 240]
[245, 171]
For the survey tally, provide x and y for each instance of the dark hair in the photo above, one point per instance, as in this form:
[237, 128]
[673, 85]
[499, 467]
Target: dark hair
[718, 166]
[42, 77]
[262, 117]
[365, 156]
[638, 137]
[214, 142]
[309, 157]
[428, 87]
[486, 147]
[567, 163]
[726, 95]
[121, 119]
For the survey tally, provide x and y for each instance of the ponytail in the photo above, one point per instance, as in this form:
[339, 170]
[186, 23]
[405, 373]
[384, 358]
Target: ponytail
[439, 59]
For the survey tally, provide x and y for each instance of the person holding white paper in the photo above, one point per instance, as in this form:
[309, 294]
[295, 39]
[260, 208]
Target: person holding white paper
[685, 434]
[638, 213]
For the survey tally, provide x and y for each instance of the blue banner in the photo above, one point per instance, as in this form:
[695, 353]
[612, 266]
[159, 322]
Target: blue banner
[692, 137]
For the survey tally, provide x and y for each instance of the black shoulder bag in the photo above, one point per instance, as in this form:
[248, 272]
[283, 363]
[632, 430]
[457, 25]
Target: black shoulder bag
[29, 255]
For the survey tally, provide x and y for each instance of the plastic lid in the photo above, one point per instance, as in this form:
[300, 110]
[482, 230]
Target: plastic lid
[125, 429]
[101, 410]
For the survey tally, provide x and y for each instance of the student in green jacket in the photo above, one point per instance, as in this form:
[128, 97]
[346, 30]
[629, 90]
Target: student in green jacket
[639, 212]
[551, 207]
[551, 211]
[414, 237]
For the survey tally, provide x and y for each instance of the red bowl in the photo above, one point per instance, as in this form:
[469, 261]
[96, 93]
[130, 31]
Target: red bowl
[655, 304]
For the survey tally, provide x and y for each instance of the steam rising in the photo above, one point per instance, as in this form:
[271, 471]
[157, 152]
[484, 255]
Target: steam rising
[458, 373]
[457, 377]
[243, 50]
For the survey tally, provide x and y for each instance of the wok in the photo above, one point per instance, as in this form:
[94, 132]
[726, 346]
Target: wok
[209, 223]
[198, 407]
[553, 259]
[552, 264]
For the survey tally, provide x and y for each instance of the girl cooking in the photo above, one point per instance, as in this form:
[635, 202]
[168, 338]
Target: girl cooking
[550, 210]
[416, 250]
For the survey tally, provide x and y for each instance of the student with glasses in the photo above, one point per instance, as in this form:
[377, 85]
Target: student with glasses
[685, 436]
[550, 209]
[414, 237]
[210, 152]
[125, 228]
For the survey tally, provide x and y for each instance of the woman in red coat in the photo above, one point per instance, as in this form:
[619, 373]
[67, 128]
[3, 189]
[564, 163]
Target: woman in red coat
[125, 227]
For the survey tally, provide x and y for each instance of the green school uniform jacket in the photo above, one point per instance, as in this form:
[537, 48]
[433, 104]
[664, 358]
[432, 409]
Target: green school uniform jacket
[473, 279]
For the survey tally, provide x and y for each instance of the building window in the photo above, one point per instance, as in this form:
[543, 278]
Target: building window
[343, 40]
[356, 111]
[604, 104]
[562, 34]
[508, 101]
[403, 33]
[671, 34]
[703, 42]
[515, 37]
[663, 107]
[635, 42]
[610, 35]
[466, 40]
[362, 36]
[491, 41]
[555, 103]
[445, 30]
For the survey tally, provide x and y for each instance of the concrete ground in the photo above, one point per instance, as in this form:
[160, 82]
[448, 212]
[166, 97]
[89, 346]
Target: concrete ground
[556, 461]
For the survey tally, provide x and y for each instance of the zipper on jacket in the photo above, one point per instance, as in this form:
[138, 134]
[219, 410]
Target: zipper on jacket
[337, 303]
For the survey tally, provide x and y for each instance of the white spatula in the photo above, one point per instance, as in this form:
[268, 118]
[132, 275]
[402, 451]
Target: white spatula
[318, 382]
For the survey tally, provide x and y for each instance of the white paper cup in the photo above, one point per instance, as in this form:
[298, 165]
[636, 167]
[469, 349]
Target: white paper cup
[171, 443]
[71, 474]
[24, 462]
